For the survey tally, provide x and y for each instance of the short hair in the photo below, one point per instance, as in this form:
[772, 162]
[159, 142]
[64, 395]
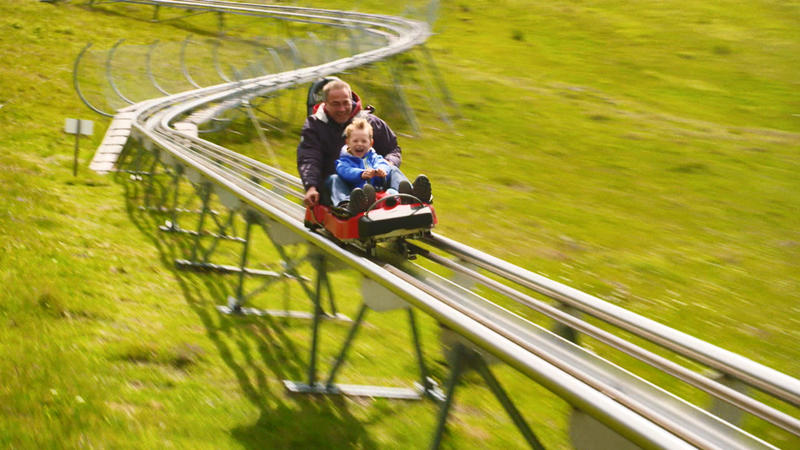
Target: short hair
[358, 124]
[334, 84]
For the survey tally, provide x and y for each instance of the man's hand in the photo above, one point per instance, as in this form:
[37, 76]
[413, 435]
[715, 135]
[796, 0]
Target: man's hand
[312, 197]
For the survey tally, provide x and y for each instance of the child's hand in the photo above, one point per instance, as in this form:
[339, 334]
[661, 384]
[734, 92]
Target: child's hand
[380, 173]
[367, 174]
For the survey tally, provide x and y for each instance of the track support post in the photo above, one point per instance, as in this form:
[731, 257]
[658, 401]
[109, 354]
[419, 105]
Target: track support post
[376, 298]
[464, 357]
[172, 225]
[565, 331]
[319, 264]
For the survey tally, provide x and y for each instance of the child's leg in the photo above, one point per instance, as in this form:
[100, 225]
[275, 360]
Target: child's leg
[394, 178]
[338, 188]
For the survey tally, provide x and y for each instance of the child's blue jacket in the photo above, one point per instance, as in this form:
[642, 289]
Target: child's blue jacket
[350, 167]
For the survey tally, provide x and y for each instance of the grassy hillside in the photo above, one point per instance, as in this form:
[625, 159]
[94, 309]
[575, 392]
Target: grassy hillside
[647, 156]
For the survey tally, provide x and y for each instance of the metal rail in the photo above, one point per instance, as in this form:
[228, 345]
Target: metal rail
[643, 413]
[758, 375]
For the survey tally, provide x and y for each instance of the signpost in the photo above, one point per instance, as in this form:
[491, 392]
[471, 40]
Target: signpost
[78, 127]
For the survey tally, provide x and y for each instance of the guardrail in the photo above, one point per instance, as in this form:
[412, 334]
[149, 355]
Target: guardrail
[641, 412]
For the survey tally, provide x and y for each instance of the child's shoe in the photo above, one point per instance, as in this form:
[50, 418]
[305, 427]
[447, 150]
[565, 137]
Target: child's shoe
[369, 190]
[405, 188]
[358, 201]
[422, 189]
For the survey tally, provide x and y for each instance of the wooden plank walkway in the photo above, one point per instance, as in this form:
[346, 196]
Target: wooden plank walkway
[107, 154]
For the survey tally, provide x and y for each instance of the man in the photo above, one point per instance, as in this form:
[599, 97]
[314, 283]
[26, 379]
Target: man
[322, 139]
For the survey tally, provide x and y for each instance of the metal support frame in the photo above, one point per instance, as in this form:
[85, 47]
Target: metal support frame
[401, 99]
[198, 261]
[156, 193]
[294, 102]
[437, 75]
[110, 76]
[432, 12]
[77, 84]
[276, 98]
[722, 409]
[172, 225]
[137, 172]
[319, 46]
[215, 59]
[201, 251]
[426, 387]
[432, 73]
[564, 330]
[297, 59]
[261, 135]
[184, 69]
[148, 63]
[280, 238]
[464, 358]
[355, 44]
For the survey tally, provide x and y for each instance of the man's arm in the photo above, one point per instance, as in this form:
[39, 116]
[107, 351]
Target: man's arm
[385, 141]
[309, 157]
[311, 198]
[309, 164]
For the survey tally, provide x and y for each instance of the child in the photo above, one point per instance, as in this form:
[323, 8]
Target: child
[363, 169]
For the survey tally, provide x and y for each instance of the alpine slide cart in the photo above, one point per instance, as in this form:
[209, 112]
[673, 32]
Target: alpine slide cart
[159, 139]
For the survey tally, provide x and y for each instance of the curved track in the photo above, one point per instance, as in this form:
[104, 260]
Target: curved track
[634, 408]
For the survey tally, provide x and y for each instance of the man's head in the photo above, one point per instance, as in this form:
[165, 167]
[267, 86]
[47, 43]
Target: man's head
[338, 99]
[358, 137]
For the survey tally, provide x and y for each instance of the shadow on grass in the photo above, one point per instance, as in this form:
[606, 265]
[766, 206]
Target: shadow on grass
[257, 350]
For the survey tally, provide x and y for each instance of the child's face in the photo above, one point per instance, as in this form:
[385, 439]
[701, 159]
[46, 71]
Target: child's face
[358, 143]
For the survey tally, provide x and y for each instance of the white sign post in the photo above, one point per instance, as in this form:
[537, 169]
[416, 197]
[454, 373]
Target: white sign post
[78, 127]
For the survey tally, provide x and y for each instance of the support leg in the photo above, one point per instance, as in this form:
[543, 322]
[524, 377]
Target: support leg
[312, 365]
[401, 97]
[425, 382]
[458, 368]
[237, 305]
[176, 179]
[511, 410]
[205, 194]
[149, 188]
[330, 296]
[343, 354]
[565, 331]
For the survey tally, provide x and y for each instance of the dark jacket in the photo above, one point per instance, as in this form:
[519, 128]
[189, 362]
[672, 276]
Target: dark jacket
[351, 167]
[322, 139]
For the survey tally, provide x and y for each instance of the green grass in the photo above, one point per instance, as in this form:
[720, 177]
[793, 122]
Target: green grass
[645, 155]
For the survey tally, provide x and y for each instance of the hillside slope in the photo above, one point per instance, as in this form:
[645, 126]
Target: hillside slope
[647, 156]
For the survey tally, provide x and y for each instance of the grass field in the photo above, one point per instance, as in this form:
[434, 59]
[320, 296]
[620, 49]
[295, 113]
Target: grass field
[646, 155]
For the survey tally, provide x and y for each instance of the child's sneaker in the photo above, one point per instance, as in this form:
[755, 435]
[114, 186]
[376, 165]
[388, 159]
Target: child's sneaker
[422, 189]
[369, 190]
[342, 210]
[405, 188]
[358, 201]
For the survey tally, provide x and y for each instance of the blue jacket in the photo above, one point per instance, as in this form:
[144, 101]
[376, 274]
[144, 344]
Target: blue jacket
[350, 167]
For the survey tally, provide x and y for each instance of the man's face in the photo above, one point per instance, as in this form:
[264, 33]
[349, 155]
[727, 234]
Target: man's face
[339, 105]
[358, 143]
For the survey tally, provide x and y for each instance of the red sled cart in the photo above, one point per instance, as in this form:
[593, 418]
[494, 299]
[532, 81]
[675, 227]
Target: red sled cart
[391, 216]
